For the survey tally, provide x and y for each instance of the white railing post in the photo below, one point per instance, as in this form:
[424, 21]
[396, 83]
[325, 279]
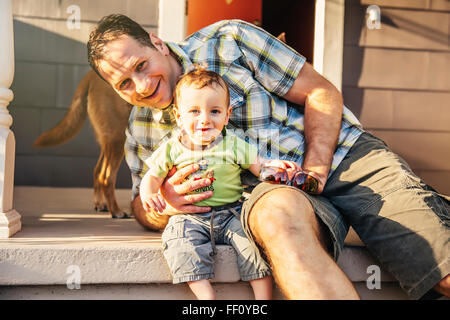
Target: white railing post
[9, 218]
[329, 40]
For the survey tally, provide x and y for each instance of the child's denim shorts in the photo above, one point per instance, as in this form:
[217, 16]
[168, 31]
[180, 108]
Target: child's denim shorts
[189, 251]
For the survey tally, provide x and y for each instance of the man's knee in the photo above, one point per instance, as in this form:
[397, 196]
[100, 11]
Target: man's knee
[280, 213]
[146, 219]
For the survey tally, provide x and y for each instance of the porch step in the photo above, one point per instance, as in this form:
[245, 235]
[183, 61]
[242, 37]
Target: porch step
[61, 234]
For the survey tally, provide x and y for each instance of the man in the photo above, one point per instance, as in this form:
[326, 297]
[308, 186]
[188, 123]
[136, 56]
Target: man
[280, 102]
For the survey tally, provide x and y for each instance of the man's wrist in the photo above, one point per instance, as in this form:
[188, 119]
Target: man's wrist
[320, 172]
[318, 160]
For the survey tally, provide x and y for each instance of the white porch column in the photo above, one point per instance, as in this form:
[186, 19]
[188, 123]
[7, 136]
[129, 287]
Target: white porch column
[9, 218]
[172, 20]
[329, 40]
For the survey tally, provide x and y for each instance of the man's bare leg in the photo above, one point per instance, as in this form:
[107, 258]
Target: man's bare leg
[284, 224]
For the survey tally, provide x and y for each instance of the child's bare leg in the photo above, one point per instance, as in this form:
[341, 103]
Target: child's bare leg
[262, 288]
[202, 289]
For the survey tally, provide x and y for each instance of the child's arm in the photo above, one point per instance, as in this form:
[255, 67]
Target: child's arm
[286, 164]
[290, 166]
[255, 167]
[151, 199]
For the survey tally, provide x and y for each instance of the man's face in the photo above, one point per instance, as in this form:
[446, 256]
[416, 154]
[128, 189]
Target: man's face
[202, 113]
[141, 75]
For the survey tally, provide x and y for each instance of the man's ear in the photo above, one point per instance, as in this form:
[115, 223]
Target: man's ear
[159, 44]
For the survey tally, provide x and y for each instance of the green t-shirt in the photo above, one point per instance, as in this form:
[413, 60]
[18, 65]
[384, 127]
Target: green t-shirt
[221, 161]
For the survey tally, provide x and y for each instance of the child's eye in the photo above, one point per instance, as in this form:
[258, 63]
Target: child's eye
[124, 84]
[194, 111]
[215, 111]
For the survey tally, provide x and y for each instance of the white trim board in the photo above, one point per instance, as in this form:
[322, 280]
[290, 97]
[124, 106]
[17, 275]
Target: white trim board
[172, 20]
[328, 33]
[329, 40]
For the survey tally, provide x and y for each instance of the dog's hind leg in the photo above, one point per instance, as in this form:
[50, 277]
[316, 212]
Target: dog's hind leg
[99, 203]
[113, 156]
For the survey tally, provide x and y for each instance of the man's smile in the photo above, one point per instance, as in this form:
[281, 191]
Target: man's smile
[154, 92]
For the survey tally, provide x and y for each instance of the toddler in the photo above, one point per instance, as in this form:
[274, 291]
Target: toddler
[202, 110]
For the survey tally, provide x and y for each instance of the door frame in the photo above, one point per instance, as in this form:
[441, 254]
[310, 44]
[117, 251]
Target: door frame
[329, 40]
[172, 21]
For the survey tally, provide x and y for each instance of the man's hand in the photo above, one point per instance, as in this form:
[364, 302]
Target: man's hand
[174, 192]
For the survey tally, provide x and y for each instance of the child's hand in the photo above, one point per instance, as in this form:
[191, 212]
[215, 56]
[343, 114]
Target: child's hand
[153, 201]
[285, 164]
[290, 166]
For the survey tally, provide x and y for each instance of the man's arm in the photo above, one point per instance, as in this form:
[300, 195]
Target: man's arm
[275, 68]
[323, 115]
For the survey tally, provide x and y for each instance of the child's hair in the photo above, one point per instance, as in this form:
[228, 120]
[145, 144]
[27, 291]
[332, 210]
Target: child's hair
[199, 77]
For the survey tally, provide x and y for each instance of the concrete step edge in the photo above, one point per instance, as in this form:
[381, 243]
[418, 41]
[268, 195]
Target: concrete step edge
[53, 265]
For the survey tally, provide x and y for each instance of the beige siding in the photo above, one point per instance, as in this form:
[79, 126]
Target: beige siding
[143, 11]
[50, 60]
[408, 29]
[397, 81]
[400, 109]
[438, 179]
[419, 148]
[397, 69]
[411, 4]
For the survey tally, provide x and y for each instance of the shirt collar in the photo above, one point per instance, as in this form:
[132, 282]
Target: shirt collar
[182, 57]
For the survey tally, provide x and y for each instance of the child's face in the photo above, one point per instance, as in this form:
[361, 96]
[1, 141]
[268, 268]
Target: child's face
[202, 113]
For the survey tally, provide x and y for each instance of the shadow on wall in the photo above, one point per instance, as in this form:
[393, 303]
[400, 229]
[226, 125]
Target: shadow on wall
[394, 81]
[355, 30]
[48, 68]
[355, 19]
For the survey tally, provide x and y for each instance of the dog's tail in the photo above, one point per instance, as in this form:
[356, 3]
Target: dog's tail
[72, 122]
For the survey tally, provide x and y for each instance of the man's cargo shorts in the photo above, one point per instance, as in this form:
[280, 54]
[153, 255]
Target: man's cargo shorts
[403, 222]
[189, 251]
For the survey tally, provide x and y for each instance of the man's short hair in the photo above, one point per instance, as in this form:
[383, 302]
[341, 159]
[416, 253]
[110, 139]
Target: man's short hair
[110, 28]
[199, 77]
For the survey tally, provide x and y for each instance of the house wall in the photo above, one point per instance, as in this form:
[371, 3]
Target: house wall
[397, 81]
[50, 60]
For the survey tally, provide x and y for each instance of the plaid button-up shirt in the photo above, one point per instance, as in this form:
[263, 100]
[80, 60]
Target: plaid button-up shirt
[259, 70]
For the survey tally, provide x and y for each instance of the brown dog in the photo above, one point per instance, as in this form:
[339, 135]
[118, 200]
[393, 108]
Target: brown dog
[108, 114]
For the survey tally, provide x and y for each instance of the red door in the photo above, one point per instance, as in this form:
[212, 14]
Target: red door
[202, 13]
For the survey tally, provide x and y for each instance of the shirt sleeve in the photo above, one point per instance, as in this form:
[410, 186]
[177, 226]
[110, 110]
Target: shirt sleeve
[274, 64]
[160, 163]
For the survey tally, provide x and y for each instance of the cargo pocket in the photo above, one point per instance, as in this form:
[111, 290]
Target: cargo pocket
[173, 231]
